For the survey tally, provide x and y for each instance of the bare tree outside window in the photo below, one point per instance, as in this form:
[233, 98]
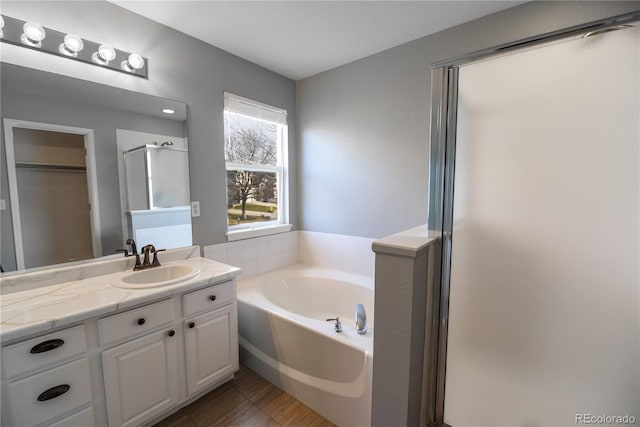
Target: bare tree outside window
[250, 145]
[251, 142]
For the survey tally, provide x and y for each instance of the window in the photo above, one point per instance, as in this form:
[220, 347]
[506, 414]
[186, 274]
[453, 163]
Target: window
[255, 142]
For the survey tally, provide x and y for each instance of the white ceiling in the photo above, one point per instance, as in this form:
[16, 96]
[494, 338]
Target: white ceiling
[301, 38]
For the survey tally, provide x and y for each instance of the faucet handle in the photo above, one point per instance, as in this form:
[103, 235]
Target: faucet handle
[146, 250]
[149, 248]
[138, 264]
[126, 251]
[156, 262]
[132, 242]
[134, 251]
[338, 325]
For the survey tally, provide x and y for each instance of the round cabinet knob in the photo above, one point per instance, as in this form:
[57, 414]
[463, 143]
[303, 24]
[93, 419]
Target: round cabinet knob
[171, 333]
[141, 321]
[192, 325]
[212, 297]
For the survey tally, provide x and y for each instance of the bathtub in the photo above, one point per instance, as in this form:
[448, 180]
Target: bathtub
[284, 336]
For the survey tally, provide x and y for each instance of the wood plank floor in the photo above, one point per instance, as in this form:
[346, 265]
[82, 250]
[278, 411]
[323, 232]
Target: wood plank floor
[248, 400]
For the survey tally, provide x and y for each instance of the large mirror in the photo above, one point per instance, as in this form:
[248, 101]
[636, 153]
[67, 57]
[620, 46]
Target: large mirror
[80, 173]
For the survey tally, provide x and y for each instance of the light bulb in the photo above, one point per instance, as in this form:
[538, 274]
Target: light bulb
[168, 111]
[104, 55]
[106, 52]
[71, 46]
[33, 34]
[133, 63]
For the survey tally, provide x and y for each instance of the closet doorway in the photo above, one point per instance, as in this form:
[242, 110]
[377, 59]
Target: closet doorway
[53, 192]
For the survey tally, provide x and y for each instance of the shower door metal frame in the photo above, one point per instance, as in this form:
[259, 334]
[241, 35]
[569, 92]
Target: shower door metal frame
[444, 106]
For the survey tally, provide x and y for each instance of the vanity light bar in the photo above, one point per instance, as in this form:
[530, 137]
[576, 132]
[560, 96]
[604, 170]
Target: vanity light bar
[34, 36]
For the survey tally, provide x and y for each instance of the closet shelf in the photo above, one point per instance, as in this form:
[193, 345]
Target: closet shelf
[31, 165]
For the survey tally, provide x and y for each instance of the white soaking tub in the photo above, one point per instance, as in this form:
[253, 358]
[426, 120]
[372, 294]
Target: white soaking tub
[284, 336]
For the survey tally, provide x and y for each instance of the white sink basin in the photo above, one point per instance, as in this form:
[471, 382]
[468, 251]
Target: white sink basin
[156, 276]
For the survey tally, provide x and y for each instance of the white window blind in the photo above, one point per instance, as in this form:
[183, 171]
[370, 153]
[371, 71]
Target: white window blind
[248, 107]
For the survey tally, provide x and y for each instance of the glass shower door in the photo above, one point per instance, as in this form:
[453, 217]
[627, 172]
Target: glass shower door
[544, 319]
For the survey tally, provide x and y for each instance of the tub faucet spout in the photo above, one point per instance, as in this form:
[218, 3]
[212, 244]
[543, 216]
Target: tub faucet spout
[361, 319]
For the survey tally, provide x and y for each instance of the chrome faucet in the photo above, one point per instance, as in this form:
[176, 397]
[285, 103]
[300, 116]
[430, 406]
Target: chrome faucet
[338, 324]
[361, 319]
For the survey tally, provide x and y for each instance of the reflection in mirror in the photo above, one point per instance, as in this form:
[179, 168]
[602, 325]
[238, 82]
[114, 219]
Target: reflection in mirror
[155, 177]
[63, 194]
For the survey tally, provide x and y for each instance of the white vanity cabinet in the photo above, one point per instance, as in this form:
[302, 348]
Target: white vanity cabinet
[47, 381]
[150, 365]
[211, 338]
[141, 378]
[117, 357]
[140, 375]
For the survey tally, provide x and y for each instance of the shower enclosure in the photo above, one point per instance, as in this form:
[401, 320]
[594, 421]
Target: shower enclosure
[536, 193]
[157, 176]
[158, 200]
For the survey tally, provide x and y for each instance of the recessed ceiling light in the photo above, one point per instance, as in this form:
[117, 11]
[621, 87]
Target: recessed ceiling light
[168, 111]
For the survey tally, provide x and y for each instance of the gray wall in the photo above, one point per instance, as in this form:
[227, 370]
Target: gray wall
[364, 127]
[104, 122]
[181, 68]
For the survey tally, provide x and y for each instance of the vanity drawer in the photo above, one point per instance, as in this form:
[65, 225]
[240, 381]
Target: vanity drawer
[47, 395]
[42, 352]
[209, 298]
[135, 322]
[83, 418]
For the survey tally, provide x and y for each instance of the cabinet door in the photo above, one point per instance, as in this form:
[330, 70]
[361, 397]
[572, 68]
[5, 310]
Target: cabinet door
[140, 378]
[211, 347]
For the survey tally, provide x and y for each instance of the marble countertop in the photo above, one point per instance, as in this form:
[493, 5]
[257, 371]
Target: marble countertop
[36, 302]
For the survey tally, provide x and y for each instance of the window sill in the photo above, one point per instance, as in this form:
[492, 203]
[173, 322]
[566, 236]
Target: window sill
[257, 232]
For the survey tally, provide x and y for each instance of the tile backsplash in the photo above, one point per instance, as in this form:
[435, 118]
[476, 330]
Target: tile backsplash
[258, 255]
[338, 252]
[262, 254]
